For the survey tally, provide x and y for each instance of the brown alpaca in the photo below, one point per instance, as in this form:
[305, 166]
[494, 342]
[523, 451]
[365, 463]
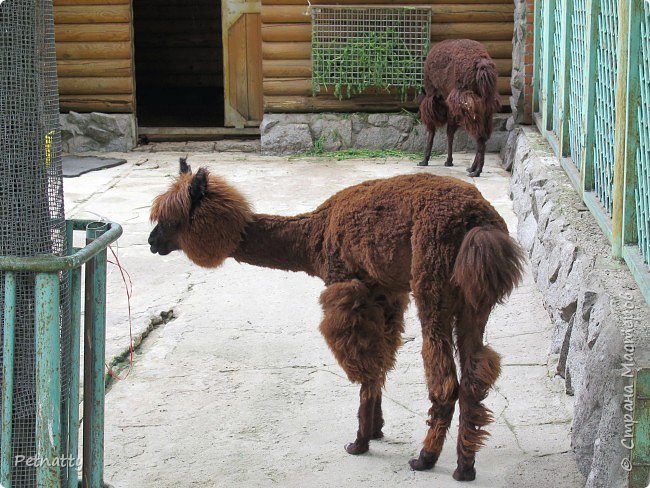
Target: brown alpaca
[371, 244]
[460, 90]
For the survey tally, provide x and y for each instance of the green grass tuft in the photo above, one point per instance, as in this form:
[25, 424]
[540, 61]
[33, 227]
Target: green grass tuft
[344, 154]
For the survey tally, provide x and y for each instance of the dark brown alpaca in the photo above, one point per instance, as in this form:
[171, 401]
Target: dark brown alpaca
[372, 244]
[460, 90]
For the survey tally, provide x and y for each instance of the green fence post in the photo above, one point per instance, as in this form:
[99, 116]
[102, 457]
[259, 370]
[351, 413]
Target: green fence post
[73, 419]
[547, 61]
[565, 78]
[538, 21]
[48, 380]
[621, 129]
[587, 154]
[8, 378]
[94, 362]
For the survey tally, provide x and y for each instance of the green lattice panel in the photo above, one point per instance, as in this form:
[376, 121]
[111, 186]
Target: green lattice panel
[576, 78]
[557, 61]
[605, 112]
[642, 190]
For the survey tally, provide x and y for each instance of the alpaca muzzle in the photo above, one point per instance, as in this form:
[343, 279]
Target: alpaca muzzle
[158, 244]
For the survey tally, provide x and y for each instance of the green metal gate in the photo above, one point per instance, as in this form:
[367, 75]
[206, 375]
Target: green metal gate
[57, 421]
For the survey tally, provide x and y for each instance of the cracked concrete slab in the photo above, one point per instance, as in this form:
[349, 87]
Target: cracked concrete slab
[240, 389]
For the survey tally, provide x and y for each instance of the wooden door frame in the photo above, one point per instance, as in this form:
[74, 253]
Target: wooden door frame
[231, 11]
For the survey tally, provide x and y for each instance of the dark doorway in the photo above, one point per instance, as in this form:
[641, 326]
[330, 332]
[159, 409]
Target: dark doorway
[178, 63]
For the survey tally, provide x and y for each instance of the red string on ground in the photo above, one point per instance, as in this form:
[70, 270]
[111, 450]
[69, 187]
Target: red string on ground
[128, 287]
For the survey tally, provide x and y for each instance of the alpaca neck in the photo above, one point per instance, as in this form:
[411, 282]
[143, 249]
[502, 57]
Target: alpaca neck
[272, 241]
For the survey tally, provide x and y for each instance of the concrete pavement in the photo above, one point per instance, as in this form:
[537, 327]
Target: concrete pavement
[239, 389]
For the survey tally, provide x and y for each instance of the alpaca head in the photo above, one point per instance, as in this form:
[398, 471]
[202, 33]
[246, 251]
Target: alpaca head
[201, 215]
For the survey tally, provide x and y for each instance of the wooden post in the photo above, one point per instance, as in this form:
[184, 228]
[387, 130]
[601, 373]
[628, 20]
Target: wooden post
[621, 129]
[536, 55]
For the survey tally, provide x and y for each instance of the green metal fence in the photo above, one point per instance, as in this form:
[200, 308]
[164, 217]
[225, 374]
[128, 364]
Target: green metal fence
[592, 102]
[57, 421]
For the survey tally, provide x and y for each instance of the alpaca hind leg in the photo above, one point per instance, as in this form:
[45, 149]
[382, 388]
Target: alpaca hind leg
[451, 132]
[477, 167]
[440, 369]
[377, 420]
[480, 368]
[364, 340]
[427, 150]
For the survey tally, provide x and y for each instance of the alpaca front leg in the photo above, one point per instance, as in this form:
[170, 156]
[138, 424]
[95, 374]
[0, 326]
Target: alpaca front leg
[477, 167]
[451, 132]
[367, 400]
[427, 151]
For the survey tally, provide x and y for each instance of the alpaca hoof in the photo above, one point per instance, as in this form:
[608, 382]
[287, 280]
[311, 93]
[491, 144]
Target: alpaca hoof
[449, 163]
[474, 174]
[465, 474]
[424, 462]
[377, 435]
[423, 163]
[357, 447]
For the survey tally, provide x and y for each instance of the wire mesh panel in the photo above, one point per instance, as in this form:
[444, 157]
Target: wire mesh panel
[31, 196]
[642, 190]
[357, 47]
[576, 79]
[557, 64]
[605, 111]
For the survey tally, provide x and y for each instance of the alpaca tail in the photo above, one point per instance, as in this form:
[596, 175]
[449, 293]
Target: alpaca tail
[486, 83]
[488, 266]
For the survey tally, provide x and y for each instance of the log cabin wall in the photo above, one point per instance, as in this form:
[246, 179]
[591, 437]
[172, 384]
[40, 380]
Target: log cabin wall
[94, 53]
[286, 49]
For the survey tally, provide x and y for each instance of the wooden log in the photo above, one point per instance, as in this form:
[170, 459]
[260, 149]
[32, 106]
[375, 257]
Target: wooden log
[480, 32]
[286, 50]
[302, 50]
[297, 104]
[303, 87]
[488, 31]
[439, 13]
[97, 103]
[92, 32]
[95, 68]
[286, 32]
[58, 3]
[287, 68]
[384, 2]
[95, 86]
[301, 68]
[93, 50]
[92, 14]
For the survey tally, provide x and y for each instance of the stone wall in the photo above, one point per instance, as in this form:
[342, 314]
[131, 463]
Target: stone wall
[297, 133]
[97, 132]
[602, 322]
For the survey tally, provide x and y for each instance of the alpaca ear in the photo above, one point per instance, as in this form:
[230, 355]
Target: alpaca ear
[185, 168]
[199, 185]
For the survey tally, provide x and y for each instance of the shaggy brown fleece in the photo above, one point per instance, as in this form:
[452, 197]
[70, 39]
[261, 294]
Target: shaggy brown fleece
[460, 84]
[372, 244]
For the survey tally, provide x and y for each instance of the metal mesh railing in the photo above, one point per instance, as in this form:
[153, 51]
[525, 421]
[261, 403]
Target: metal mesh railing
[357, 47]
[642, 190]
[576, 80]
[31, 195]
[605, 111]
